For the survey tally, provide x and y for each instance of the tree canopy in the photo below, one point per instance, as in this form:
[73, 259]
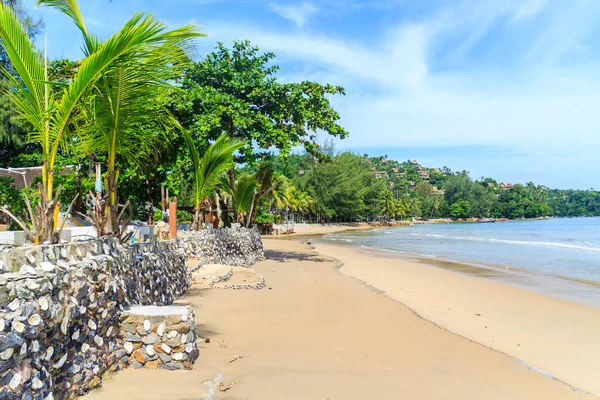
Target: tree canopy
[236, 91]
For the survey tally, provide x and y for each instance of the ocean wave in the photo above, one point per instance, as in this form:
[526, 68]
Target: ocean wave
[338, 239]
[388, 250]
[507, 241]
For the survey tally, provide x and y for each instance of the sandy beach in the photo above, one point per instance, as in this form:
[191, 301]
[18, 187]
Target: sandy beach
[552, 336]
[318, 333]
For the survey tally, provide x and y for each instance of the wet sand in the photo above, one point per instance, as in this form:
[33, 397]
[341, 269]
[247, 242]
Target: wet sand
[316, 333]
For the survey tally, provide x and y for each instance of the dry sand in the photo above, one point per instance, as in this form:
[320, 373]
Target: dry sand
[314, 333]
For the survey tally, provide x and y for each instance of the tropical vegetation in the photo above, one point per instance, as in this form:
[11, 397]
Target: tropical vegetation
[223, 133]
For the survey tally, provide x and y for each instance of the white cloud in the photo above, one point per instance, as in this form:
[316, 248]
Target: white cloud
[298, 14]
[529, 100]
[399, 61]
[530, 8]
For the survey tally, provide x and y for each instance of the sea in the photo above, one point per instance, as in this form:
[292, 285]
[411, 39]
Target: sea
[558, 257]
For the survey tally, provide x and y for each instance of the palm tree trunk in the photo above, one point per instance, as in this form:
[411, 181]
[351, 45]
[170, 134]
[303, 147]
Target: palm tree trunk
[197, 216]
[253, 210]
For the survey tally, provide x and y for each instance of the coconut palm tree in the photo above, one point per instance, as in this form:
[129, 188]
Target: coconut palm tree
[54, 117]
[125, 103]
[241, 199]
[270, 184]
[209, 169]
[245, 187]
[388, 206]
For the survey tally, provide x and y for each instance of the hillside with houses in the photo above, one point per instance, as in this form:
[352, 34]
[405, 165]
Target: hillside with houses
[384, 188]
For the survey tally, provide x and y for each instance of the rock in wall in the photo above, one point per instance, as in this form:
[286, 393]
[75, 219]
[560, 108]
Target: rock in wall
[159, 337]
[238, 247]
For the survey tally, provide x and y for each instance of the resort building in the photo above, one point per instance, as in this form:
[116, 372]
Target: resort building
[435, 190]
[397, 173]
[505, 186]
[23, 177]
[380, 174]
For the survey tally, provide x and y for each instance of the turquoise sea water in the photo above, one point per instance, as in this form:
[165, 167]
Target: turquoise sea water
[547, 254]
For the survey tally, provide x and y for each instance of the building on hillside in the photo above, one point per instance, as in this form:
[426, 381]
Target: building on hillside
[424, 175]
[380, 174]
[437, 170]
[437, 191]
[302, 172]
[397, 173]
[505, 186]
[414, 162]
[384, 161]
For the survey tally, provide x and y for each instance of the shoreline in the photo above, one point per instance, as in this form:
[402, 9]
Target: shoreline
[541, 331]
[569, 288]
[317, 332]
[575, 290]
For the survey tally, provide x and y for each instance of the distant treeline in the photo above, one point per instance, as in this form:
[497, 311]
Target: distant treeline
[351, 187]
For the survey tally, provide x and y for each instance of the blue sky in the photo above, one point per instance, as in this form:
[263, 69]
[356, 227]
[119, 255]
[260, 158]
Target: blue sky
[503, 88]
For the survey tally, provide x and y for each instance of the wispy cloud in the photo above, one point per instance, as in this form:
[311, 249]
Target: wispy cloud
[530, 8]
[297, 13]
[403, 92]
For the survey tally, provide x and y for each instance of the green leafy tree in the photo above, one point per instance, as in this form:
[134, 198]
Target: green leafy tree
[344, 188]
[236, 91]
[460, 209]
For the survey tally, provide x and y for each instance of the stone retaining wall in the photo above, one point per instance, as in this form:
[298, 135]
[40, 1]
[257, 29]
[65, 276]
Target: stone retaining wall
[60, 307]
[238, 247]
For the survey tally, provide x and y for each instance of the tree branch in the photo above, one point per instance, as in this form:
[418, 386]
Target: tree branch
[18, 221]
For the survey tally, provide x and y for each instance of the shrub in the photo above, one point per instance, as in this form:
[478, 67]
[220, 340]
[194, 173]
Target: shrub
[184, 217]
[11, 198]
[157, 216]
[265, 219]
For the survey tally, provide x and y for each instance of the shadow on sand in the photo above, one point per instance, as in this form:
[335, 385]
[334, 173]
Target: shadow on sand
[283, 256]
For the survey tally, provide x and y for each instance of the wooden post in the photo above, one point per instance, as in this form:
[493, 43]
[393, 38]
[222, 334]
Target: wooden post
[162, 197]
[173, 218]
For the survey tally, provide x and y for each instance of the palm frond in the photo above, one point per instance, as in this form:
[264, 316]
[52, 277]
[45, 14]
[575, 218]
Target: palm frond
[133, 40]
[26, 63]
[216, 161]
[244, 191]
[71, 9]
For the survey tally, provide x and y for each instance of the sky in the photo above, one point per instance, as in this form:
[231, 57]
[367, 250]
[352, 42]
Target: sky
[507, 88]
